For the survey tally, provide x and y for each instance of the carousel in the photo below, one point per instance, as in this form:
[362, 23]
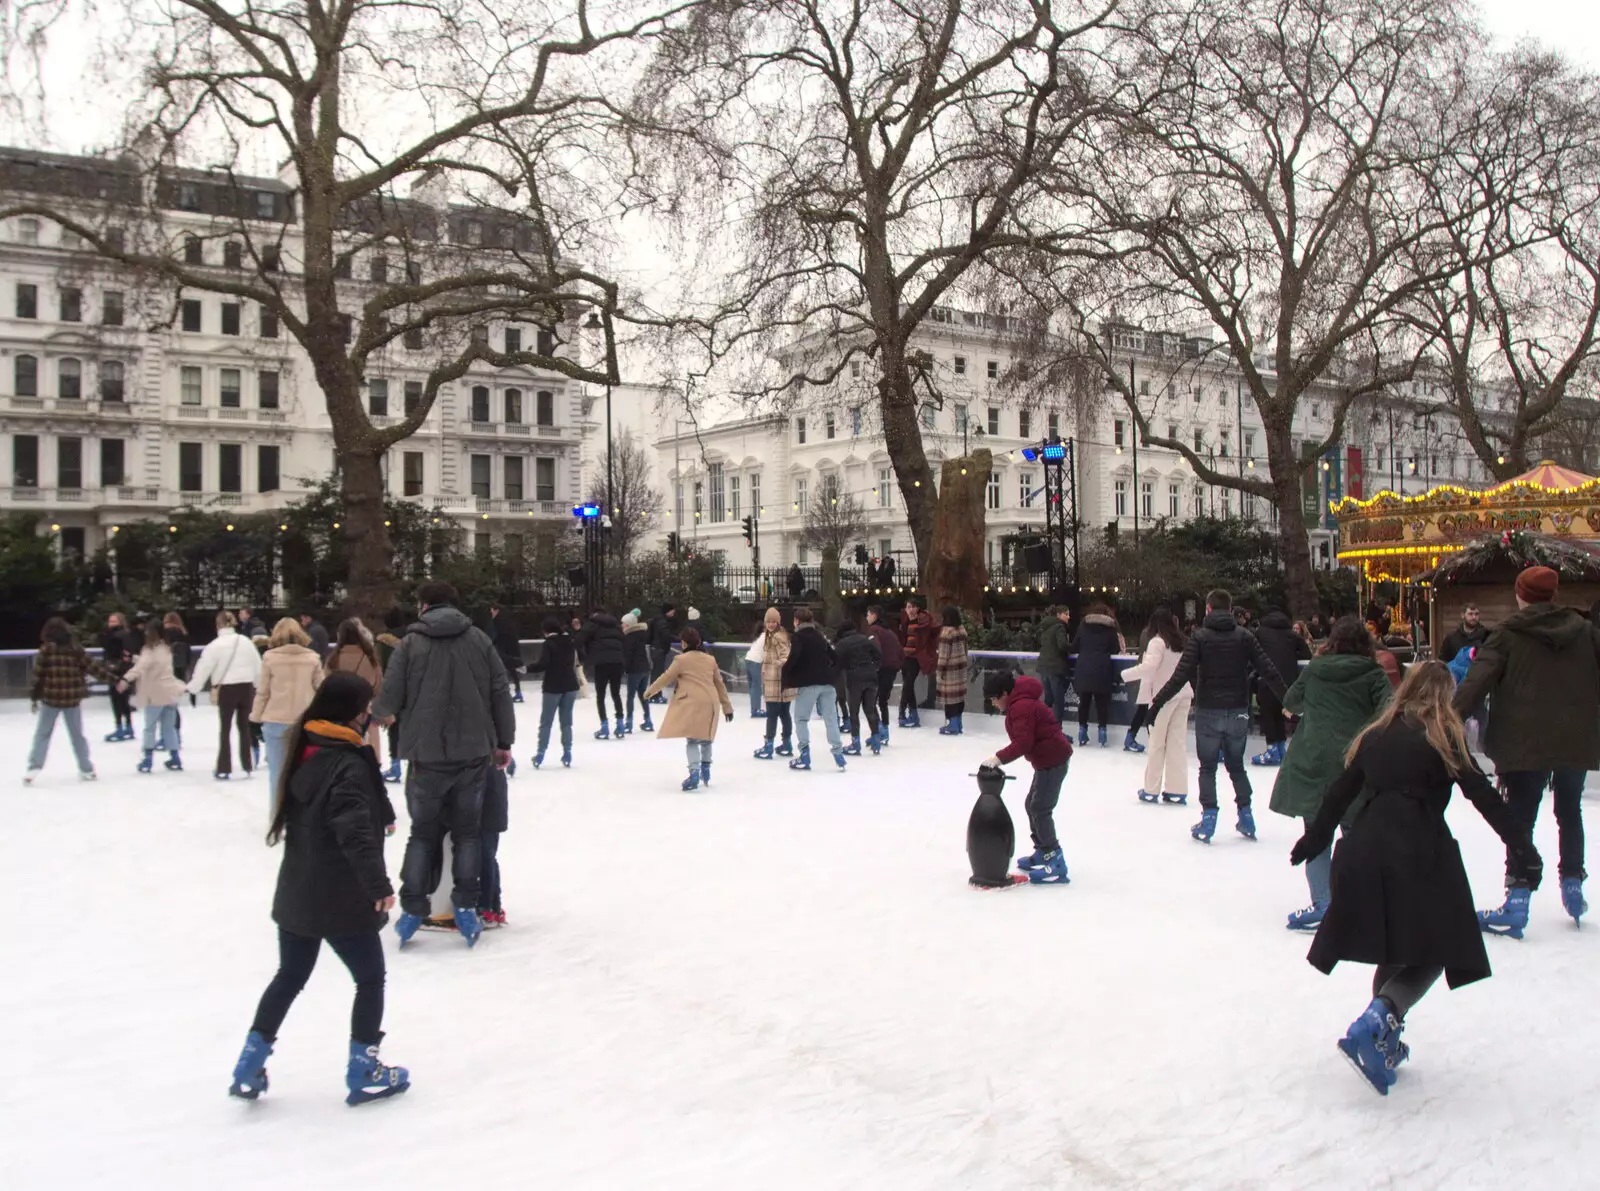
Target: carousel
[1452, 546]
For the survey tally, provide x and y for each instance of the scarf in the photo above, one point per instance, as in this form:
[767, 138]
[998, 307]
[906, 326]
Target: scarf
[335, 731]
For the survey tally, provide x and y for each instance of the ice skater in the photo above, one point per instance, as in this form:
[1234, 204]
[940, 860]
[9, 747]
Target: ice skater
[692, 713]
[859, 662]
[636, 670]
[810, 671]
[774, 653]
[894, 656]
[330, 814]
[58, 691]
[558, 663]
[1034, 732]
[951, 671]
[496, 820]
[1099, 641]
[1400, 897]
[158, 690]
[1336, 696]
[1166, 764]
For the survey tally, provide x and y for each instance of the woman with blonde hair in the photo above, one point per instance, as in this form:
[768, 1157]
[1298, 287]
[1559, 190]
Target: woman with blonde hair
[774, 653]
[291, 672]
[1399, 893]
[353, 653]
[231, 665]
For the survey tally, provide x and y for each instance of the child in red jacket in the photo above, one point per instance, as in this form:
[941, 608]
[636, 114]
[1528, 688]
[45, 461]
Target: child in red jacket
[1035, 734]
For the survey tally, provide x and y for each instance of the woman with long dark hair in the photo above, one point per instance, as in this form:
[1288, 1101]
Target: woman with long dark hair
[330, 814]
[951, 671]
[59, 689]
[353, 653]
[1166, 763]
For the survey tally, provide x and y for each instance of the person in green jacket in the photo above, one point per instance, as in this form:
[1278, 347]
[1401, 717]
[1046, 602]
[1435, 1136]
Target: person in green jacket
[1055, 647]
[1339, 693]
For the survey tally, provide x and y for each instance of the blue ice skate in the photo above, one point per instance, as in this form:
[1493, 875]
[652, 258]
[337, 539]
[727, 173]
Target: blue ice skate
[1033, 860]
[1174, 799]
[1083, 736]
[1207, 827]
[566, 758]
[803, 761]
[1373, 1046]
[149, 761]
[1510, 919]
[367, 1079]
[173, 762]
[838, 758]
[1572, 898]
[875, 742]
[705, 773]
[786, 749]
[853, 749]
[469, 925]
[406, 925]
[250, 1072]
[1272, 755]
[692, 782]
[764, 753]
[1052, 870]
[1130, 743]
[1102, 736]
[883, 733]
[1146, 796]
[538, 760]
[392, 774]
[1247, 823]
[953, 728]
[605, 731]
[1309, 918]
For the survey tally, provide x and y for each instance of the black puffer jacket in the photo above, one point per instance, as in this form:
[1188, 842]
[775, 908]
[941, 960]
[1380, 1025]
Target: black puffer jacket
[332, 873]
[1461, 637]
[859, 655]
[600, 642]
[636, 649]
[178, 641]
[1218, 660]
[1098, 641]
[811, 660]
[663, 632]
[1283, 645]
[558, 662]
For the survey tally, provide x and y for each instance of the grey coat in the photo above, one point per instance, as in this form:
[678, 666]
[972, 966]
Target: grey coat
[449, 689]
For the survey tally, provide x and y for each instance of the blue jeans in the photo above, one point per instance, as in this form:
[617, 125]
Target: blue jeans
[547, 714]
[1055, 694]
[160, 722]
[825, 702]
[698, 752]
[635, 685]
[275, 744]
[73, 718]
[752, 674]
[1227, 729]
[1319, 870]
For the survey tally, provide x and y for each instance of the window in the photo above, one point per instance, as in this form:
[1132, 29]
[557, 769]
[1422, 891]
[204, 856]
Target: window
[800, 502]
[266, 208]
[855, 421]
[511, 477]
[111, 380]
[411, 471]
[733, 498]
[271, 258]
[1247, 506]
[230, 318]
[513, 340]
[25, 461]
[699, 499]
[1172, 500]
[1199, 439]
[800, 430]
[718, 499]
[413, 396]
[1122, 498]
[855, 369]
[830, 488]
[1117, 434]
[111, 308]
[1222, 443]
[189, 309]
[885, 487]
[961, 419]
[230, 389]
[267, 389]
[1227, 502]
[480, 476]
[26, 373]
[992, 494]
[112, 471]
[230, 467]
[189, 386]
[27, 231]
[827, 424]
[544, 411]
[232, 254]
[480, 543]
[546, 345]
[341, 268]
[544, 479]
[194, 252]
[1199, 501]
[267, 475]
[414, 272]
[480, 404]
[411, 339]
[69, 379]
[71, 304]
[755, 494]
[994, 420]
[269, 323]
[474, 232]
[1316, 410]
[929, 417]
[1025, 490]
[115, 240]
[1198, 393]
[1144, 388]
[188, 196]
[994, 369]
[27, 300]
[1147, 498]
[378, 268]
[1249, 444]
[69, 463]
[1054, 424]
[190, 473]
[514, 406]
[1025, 423]
[960, 364]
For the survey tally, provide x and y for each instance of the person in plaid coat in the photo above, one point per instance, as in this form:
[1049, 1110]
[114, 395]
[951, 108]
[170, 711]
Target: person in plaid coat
[59, 688]
[952, 671]
[774, 653]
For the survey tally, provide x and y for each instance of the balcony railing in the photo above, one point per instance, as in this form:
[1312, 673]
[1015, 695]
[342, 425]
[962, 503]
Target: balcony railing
[215, 413]
[518, 429]
[93, 406]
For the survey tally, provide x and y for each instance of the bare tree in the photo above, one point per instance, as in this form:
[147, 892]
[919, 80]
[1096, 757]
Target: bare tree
[872, 159]
[621, 486]
[508, 105]
[1273, 192]
[832, 522]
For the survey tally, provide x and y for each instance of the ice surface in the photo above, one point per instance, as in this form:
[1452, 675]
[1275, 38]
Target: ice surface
[784, 982]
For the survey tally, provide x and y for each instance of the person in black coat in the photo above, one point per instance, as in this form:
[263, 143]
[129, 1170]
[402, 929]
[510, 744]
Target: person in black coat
[1095, 673]
[1469, 634]
[118, 645]
[1400, 893]
[859, 662]
[600, 643]
[314, 628]
[331, 812]
[509, 646]
[558, 662]
[797, 581]
[663, 632]
[1287, 649]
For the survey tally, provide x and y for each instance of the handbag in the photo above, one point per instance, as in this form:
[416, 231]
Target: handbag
[211, 687]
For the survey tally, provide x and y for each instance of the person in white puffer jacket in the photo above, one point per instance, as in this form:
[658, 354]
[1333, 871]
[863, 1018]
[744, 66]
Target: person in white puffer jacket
[232, 665]
[1168, 749]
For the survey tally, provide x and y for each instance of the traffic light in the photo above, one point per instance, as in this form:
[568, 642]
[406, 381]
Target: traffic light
[749, 531]
[862, 557]
[672, 544]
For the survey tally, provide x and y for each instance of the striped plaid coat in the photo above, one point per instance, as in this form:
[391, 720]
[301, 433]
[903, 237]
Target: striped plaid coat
[952, 668]
[775, 653]
[59, 675]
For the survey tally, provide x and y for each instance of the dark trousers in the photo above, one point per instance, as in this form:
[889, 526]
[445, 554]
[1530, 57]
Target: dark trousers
[909, 669]
[1273, 726]
[443, 797]
[1140, 714]
[1525, 790]
[233, 708]
[778, 713]
[489, 875]
[1041, 806]
[608, 678]
[1055, 694]
[862, 693]
[1403, 985]
[122, 705]
[886, 677]
[636, 685]
[932, 675]
[394, 739]
[658, 663]
[297, 956]
[1102, 706]
[1226, 730]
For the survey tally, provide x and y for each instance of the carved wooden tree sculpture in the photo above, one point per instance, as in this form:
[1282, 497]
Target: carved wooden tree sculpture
[955, 573]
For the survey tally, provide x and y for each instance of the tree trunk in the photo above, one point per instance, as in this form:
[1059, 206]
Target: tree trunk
[955, 572]
[369, 589]
[903, 440]
[1283, 460]
[832, 601]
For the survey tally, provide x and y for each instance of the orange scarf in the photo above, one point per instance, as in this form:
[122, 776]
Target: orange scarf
[335, 731]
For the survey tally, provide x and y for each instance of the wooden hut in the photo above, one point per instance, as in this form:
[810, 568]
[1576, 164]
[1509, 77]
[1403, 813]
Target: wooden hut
[1485, 573]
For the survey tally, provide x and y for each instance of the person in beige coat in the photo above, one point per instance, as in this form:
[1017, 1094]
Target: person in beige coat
[775, 652]
[353, 651]
[692, 714]
[1166, 764]
[291, 672]
[156, 689]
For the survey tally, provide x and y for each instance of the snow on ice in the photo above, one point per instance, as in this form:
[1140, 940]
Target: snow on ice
[781, 982]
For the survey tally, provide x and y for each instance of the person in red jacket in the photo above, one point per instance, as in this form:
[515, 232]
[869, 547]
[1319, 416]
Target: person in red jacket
[1034, 733]
[921, 657]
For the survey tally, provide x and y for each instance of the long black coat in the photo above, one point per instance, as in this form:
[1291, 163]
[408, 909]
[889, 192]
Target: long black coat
[600, 642]
[1400, 892]
[1283, 645]
[332, 872]
[1098, 642]
[558, 662]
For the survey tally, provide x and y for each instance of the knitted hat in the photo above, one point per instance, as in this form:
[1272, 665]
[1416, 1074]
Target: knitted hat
[694, 613]
[1537, 585]
[629, 620]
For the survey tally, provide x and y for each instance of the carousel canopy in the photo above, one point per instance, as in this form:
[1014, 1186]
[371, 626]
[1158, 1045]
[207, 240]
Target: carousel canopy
[1549, 476]
[1498, 557]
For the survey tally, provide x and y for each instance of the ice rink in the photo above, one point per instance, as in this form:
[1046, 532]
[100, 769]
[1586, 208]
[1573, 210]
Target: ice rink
[782, 982]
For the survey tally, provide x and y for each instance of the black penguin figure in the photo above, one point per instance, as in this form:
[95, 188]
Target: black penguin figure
[990, 833]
